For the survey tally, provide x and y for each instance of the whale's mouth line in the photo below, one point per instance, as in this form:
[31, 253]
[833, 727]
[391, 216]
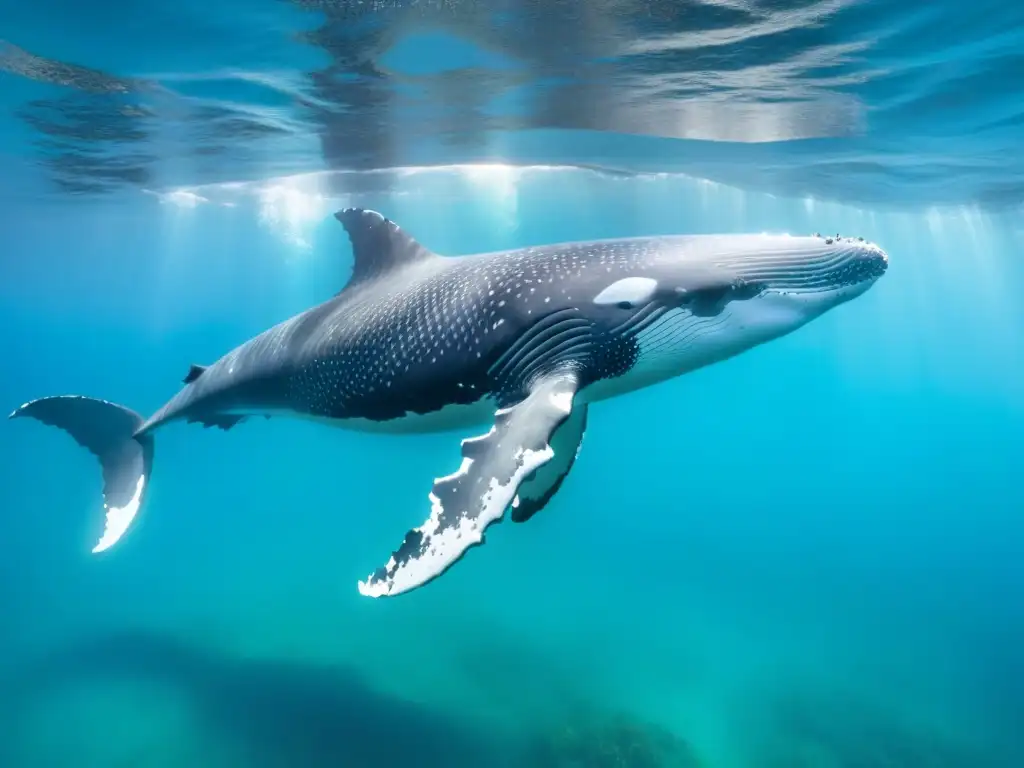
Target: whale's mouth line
[796, 284]
[791, 272]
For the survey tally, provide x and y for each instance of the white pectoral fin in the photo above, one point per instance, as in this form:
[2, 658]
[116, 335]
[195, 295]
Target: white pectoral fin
[466, 502]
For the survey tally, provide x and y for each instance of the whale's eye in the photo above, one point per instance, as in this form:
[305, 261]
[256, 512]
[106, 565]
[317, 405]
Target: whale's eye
[714, 296]
[625, 305]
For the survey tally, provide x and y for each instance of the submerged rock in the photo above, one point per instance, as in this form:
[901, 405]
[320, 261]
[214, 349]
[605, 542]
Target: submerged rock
[619, 741]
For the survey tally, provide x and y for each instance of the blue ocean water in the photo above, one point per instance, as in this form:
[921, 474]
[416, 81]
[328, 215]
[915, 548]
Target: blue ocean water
[805, 557]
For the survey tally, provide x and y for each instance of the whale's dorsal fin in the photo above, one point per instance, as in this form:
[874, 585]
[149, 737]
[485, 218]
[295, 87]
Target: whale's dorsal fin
[378, 244]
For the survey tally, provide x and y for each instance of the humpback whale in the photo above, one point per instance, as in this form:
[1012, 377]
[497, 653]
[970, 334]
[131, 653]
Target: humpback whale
[511, 346]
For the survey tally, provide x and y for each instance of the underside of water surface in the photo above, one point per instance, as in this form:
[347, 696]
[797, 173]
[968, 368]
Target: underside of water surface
[806, 556]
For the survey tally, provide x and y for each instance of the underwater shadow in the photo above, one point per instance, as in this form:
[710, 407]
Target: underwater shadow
[284, 712]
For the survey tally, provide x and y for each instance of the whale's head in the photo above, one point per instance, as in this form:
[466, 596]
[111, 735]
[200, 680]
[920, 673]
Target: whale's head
[695, 300]
[781, 277]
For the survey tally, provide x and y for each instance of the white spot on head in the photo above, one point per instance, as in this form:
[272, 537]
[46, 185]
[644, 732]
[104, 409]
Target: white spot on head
[628, 290]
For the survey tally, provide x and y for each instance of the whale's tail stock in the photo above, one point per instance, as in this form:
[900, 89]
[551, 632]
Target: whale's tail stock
[110, 432]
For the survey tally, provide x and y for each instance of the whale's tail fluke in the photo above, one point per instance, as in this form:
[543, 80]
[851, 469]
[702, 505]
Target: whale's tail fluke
[109, 431]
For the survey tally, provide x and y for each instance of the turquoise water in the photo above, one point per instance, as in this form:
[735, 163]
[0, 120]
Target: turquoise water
[805, 557]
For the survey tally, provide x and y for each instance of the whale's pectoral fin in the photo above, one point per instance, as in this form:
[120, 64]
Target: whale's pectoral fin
[543, 483]
[465, 503]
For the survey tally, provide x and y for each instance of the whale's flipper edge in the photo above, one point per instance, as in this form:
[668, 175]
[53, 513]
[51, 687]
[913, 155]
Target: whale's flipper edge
[107, 430]
[543, 483]
[379, 246]
[465, 503]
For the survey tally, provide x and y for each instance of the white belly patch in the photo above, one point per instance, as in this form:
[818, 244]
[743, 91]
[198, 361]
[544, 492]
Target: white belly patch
[449, 418]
